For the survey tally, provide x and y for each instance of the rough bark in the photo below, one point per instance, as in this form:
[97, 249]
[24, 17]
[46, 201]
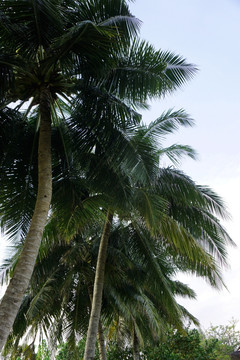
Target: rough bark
[97, 291]
[136, 354]
[101, 342]
[19, 283]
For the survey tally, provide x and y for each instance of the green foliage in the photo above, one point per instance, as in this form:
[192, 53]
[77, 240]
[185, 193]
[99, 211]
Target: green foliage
[21, 352]
[66, 351]
[114, 352]
[43, 352]
[227, 337]
[215, 344]
[189, 345]
[90, 55]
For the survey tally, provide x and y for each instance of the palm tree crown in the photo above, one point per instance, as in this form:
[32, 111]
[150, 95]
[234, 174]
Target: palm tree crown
[56, 54]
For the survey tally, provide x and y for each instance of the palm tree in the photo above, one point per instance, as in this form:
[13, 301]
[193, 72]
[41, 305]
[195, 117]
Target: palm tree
[167, 187]
[63, 279]
[173, 186]
[203, 239]
[37, 41]
[61, 49]
[139, 293]
[134, 290]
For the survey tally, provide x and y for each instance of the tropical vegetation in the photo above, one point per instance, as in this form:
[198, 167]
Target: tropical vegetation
[138, 257]
[191, 344]
[72, 51]
[100, 228]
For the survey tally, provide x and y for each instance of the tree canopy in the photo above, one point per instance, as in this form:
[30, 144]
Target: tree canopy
[81, 182]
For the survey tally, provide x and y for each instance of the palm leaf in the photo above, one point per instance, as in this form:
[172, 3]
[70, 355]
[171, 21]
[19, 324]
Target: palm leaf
[142, 72]
[168, 122]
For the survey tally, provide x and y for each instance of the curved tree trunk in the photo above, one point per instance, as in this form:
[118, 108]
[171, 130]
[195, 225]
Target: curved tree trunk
[101, 342]
[97, 291]
[18, 285]
[136, 354]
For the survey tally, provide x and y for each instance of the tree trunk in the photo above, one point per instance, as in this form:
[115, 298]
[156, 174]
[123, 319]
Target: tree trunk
[19, 283]
[136, 354]
[100, 334]
[101, 342]
[97, 291]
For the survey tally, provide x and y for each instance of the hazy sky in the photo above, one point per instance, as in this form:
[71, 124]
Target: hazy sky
[206, 33]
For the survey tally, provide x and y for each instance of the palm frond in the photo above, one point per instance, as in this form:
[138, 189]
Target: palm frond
[17, 196]
[29, 25]
[168, 122]
[175, 153]
[142, 72]
[188, 316]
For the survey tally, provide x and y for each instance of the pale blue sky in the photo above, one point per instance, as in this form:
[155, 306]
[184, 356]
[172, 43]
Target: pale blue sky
[206, 32]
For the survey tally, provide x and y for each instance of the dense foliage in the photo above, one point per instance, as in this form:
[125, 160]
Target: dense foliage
[188, 345]
[87, 55]
[100, 228]
[228, 339]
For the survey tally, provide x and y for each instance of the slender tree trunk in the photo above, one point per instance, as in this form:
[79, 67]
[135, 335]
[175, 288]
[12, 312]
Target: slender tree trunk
[136, 353]
[19, 283]
[97, 291]
[101, 342]
[100, 334]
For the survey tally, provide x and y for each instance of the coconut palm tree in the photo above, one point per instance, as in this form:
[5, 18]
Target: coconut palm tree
[134, 290]
[58, 299]
[37, 41]
[166, 186]
[115, 168]
[140, 158]
[138, 295]
[62, 49]
[204, 239]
